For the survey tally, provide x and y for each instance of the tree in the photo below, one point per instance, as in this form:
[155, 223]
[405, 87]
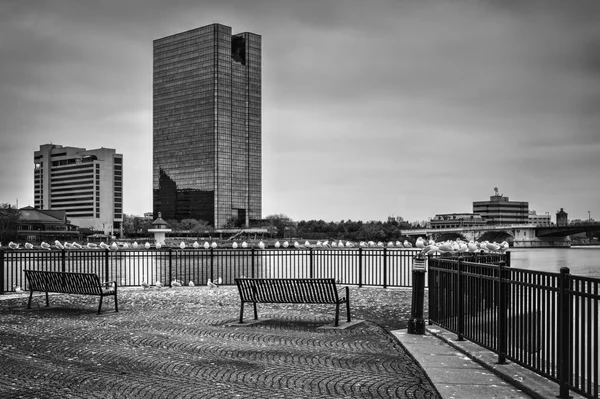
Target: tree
[284, 225]
[9, 218]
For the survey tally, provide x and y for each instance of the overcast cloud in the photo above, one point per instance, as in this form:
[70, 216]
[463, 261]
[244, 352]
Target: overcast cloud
[370, 109]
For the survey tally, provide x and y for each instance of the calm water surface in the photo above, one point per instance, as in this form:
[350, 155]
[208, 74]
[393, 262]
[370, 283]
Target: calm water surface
[583, 261]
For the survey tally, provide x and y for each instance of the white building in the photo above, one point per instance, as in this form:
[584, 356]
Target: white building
[87, 184]
[539, 220]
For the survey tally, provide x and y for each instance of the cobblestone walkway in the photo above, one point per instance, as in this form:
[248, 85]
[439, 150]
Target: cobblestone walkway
[181, 344]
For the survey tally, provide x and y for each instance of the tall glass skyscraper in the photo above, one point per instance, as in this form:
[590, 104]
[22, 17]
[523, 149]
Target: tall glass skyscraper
[207, 126]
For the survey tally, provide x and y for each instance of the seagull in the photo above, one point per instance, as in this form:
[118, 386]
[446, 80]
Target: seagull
[58, 245]
[472, 246]
[12, 245]
[191, 284]
[18, 290]
[390, 244]
[234, 245]
[371, 243]
[134, 245]
[420, 243]
[349, 244]
[504, 246]
[211, 285]
[333, 244]
[196, 245]
[319, 244]
[213, 245]
[68, 245]
[103, 245]
[286, 244]
[261, 245]
[363, 244]
[379, 244]
[77, 245]
[182, 245]
[125, 245]
[175, 283]
[407, 244]
[445, 247]
[28, 245]
[158, 245]
[244, 245]
[277, 244]
[431, 249]
[297, 245]
[145, 285]
[206, 245]
[91, 245]
[219, 281]
[114, 246]
[493, 246]
[147, 245]
[45, 245]
[158, 284]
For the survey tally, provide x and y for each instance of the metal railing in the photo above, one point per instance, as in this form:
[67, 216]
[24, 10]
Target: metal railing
[361, 266]
[545, 322]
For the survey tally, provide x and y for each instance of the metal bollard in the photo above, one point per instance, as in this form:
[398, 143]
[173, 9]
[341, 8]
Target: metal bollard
[416, 324]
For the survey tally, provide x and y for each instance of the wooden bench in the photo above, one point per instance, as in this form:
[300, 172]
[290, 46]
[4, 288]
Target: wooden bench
[70, 283]
[292, 290]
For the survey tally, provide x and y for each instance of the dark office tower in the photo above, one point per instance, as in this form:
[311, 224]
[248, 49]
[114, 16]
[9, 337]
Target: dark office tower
[207, 126]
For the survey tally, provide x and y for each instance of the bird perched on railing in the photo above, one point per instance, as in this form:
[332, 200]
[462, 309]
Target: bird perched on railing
[13, 245]
[213, 245]
[261, 245]
[68, 245]
[420, 243]
[182, 245]
[158, 245]
[76, 245]
[340, 244]
[114, 246]
[286, 244]
[333, 244]
[125, 245]
[211, 285]
[104, 245]
[206, 245]
[147, 245]
[45, 245]
[135, 245]
[234, 245]
[297, 245]
[349, 244]
[58, 245]
[91, 245]
[277, 244]
[196, 245]
[28, 245]
[244, 244]
[407, 244]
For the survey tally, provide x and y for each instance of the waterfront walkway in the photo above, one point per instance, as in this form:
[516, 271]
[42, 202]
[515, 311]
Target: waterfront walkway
[185, 343]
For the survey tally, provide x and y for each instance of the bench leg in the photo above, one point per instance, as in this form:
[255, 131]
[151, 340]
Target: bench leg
[100, 305]
[255, 312]
[242, 313]
[30, 296]
[47, 300]
[337, 313]
[116, 304]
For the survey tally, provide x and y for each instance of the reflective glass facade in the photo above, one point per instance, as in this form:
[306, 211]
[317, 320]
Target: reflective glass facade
[207, 126]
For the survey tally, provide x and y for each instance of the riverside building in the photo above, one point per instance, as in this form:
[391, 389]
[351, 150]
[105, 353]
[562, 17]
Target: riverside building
[207, 126]
[499, 210]
[86, 184]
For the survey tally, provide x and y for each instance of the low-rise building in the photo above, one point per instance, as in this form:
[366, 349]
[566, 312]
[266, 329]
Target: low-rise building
[37, 225]
[500, 210]
[452, 220]
[539, 220]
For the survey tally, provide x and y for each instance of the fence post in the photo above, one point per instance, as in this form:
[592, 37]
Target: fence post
[461, 300]
[360, 267]
[502, 315]
[1, 272]
[311, 264]
[106, 267]
[63, 260]
[252, 261]
[212, 264]
[564, 329]
[384, 267]
[170, 267]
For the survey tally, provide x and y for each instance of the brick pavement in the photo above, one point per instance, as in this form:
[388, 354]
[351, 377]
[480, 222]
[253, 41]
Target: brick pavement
[185, 344]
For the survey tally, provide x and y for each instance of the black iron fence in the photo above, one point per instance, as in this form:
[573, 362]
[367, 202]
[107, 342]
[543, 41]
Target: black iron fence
[546, 322]
[362, 266]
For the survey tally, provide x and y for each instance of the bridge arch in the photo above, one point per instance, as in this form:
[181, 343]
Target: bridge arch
[449, 236]
[496, 236]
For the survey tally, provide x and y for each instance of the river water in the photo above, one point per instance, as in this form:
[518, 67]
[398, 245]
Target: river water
[581, 261]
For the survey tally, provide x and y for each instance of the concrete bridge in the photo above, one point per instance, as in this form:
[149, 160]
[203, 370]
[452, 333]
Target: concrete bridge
[520, 235]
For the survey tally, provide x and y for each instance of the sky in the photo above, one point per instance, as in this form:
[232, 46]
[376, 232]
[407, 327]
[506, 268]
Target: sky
[370, 108]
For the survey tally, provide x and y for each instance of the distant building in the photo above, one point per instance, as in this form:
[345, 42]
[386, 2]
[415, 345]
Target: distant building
[539, 220]
[36, 225]
[207, 126]
[562, 218]
[452, 220]
[499, 210]
[86, 184]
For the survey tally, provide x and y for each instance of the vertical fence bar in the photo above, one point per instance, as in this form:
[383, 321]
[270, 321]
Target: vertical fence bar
[252, 262]
[106, 265]
[1, 272]
[502, 315]
[460, 298]
[170, 267]
[564, 327]
[212, 264]
[311, 263]
[360, 267]
[63, 260]
[384, 267]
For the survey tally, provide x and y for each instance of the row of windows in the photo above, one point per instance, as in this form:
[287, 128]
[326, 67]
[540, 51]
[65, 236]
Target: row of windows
[59, 170]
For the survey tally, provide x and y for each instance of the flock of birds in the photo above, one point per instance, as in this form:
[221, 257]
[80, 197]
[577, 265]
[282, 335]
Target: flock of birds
[176, 284]
[427, 246]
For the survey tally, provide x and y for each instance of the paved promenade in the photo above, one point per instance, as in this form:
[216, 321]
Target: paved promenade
[184, 343]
